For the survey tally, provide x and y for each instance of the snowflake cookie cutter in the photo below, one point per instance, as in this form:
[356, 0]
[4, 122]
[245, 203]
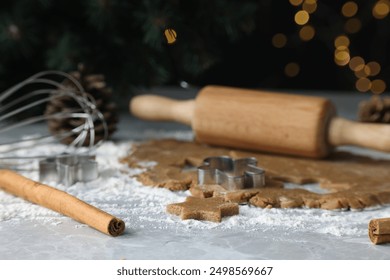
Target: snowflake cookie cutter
[68, 169]
[231, 174]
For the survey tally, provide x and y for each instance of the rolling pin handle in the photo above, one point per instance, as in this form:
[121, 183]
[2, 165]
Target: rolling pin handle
[367, 135]
[158, 108]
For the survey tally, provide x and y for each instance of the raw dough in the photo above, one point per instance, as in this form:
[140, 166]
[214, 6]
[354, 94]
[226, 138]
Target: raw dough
[353, 181]
[210, 209]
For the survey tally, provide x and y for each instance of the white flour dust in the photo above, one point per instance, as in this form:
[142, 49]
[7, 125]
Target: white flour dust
[117, 193]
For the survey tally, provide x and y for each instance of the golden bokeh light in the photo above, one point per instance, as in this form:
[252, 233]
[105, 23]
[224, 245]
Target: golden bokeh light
[341, 49]
[367, 70]
[292, 69]
[307, 33]
[349, 9]
[378, 86]
[295, 2]
[381, 9]
[361, 73]
[170, 35]
[341, 40]
[356, 63]
[341, 57]
[310, 6]
[353, 25]
[373, 68]
[279, 40]
[363, 84]
[301, 17]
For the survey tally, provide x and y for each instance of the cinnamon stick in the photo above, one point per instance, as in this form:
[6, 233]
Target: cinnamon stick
[60, 202]
[379, 230]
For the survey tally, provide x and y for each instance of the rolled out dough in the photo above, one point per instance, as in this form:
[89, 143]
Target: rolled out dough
[353, 182]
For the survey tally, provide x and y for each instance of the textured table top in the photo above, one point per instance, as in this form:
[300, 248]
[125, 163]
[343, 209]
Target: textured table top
[29, 232]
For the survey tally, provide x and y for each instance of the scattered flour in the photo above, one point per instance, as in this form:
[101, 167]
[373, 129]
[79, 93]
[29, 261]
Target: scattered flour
[116, 192]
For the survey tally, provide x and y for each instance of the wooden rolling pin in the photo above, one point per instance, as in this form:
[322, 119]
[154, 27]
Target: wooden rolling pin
[264, 121]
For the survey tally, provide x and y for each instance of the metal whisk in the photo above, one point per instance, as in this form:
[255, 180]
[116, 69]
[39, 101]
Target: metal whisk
[21, 114]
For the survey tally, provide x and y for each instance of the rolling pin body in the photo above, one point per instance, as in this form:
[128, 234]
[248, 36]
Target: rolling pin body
[264, 121]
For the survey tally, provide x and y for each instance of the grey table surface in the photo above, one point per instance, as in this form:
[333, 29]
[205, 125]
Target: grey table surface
[35, 240]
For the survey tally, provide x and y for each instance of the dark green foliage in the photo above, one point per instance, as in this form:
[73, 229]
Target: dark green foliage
[227, 42]
[124, 40]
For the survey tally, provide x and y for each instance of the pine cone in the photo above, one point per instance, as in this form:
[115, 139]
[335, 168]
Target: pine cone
[96, 86]
[376, 109]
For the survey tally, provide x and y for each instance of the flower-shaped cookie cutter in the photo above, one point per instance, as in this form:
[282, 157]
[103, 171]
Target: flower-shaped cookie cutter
[68, 169]
[232, 174]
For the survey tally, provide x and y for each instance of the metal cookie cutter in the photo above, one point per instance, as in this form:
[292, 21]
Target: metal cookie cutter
[232, 174]
[68, 169]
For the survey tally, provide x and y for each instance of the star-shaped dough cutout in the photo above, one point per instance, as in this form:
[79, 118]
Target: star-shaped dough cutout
[209, 209]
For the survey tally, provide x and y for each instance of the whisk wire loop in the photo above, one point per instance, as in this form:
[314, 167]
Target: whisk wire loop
[19, 109]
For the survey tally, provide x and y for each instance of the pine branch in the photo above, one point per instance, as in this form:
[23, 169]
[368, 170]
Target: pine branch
[66, 54]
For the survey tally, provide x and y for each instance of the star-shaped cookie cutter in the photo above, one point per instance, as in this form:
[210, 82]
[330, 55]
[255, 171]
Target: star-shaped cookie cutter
[232, 174]
[68, 169]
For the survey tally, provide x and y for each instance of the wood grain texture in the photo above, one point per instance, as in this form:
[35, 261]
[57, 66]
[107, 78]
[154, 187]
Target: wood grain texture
[256, 120]
[368, 135]
[263, 121]
[158, 108]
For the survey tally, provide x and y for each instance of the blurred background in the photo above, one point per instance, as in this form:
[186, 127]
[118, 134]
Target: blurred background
[289, 44]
